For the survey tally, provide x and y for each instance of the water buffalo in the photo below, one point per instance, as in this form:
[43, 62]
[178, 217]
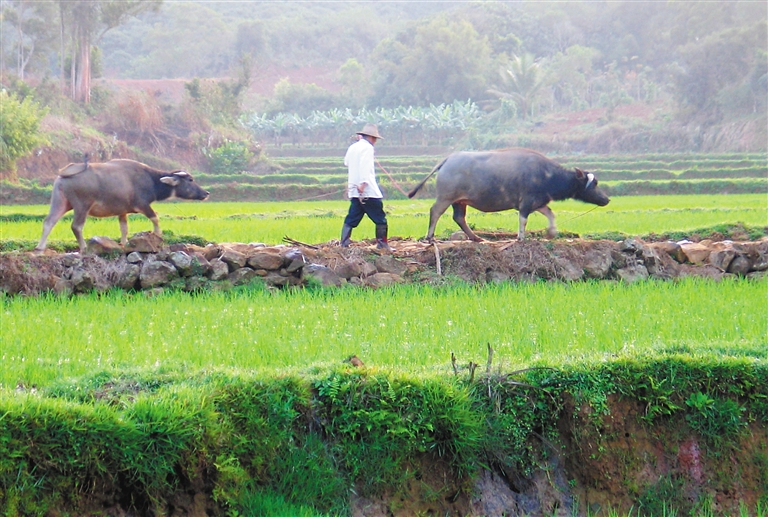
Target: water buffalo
[491, 181]
[116, 187]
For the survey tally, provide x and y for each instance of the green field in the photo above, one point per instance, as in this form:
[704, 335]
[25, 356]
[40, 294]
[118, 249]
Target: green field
[226, 378]
[409, 329]
[320, 221]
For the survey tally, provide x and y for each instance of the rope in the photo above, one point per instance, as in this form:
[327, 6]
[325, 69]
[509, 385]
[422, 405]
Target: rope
[344, 189]
[577, 216]
[392, 179]
[321, 195]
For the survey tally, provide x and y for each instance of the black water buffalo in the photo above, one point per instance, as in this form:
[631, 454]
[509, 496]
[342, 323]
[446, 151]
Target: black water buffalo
[116, 187]
[491, 181]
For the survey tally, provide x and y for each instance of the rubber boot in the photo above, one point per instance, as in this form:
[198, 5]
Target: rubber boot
[381, 237]
[346, 236]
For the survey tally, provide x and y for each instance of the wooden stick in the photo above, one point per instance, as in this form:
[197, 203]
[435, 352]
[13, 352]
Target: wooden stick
[437, 259]
[298, 243]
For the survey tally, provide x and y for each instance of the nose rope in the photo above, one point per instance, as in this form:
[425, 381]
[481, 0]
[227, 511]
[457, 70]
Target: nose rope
[584, 213]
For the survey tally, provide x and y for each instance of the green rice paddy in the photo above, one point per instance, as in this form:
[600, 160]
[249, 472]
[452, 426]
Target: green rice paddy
[409, 328]
[320, 221]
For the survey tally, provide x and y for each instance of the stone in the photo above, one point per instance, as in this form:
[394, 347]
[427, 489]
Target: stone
[219, 270]
[199, 266]
[458, 236]
[194, 284]
[740, 265]
[759, 254]
[349, 269]
[144, 242]
[103, 247]
[671, 248]
[632, 273]
[211, 252]
[182, 262]
[722, 258]
[651, 260]
[326, 276]
[156, 274]
[129, 276]
[382, 279]
[631, 245]
[696, 252]
[265, 260]
[294, 260]
[368, 269]
[71, 260]
[241, 276]
[389, 264]
[134, 257]
[63, 287]
[176, 284]
[597, 263]
[234, 259]
[276, 279]
[567, 270]
[81, 280]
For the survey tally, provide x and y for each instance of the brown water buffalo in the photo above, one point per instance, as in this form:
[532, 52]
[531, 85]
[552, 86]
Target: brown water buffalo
[491, 181]
[116, 187]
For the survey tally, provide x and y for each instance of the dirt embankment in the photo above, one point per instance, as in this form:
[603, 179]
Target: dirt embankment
[147, 263]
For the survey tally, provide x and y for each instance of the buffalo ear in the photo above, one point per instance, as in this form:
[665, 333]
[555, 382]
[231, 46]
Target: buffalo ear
[579, 173]
[170, 180]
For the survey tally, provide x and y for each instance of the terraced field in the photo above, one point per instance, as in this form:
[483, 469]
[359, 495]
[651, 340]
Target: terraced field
[324, 178]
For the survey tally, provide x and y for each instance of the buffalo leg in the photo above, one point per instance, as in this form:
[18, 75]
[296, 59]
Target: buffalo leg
[523, 217]
[59, 206]
[123, 218]
[551, 230]
[152, 216]
[435, 212]
[78, 222]
[459, 215]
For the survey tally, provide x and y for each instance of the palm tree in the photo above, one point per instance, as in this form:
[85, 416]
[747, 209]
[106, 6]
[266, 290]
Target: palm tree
[522, 81]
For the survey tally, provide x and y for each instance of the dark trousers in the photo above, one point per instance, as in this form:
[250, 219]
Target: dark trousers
[373, 207]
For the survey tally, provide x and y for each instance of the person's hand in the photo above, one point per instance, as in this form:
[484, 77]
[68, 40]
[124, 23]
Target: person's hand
[361, 188]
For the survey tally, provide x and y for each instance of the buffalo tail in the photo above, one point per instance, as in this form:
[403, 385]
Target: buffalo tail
[418, 187]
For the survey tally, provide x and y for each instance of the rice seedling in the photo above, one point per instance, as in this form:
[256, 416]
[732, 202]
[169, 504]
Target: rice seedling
[320, 221]
[409, 328]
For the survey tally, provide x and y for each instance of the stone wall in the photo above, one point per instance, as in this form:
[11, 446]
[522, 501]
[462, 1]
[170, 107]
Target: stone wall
[147, 264]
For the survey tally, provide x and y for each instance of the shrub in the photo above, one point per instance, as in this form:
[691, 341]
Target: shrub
[230, 157]
[19, 134]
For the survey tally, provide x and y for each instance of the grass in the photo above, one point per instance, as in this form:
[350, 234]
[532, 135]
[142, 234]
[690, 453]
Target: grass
[413, 328]
[320, 221]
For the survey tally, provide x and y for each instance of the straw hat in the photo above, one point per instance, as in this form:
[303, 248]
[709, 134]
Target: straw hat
[370, 130]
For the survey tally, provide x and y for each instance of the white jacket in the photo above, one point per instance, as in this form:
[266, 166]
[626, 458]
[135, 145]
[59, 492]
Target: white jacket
[360, 163]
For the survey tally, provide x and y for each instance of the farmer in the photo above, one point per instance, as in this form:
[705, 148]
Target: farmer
[364, 194]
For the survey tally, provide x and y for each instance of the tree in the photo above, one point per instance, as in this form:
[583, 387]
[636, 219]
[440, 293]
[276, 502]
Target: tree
[570, 73]
[352, 78]
[88, 21]
[716, 62]
[19, 130]
[438, 62]
[190, 40]
[32, 36]
[521, 83]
